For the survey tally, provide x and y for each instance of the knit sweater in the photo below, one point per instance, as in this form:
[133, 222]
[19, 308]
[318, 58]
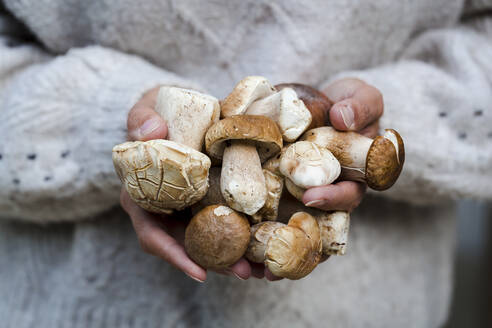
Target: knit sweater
[68, 81]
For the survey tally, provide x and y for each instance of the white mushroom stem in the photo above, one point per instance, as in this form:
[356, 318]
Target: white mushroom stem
[285, 108]
[242, 181]
[334, 231]
[274, 185]
[188, 114]
[348, 147]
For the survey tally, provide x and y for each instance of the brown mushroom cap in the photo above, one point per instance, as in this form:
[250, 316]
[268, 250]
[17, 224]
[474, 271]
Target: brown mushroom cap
[217, 237]
[260, 234]
[294, 250]
[385, 160]
[316, 101]
[260, 130]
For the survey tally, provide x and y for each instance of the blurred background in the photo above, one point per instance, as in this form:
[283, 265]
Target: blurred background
[472, 305]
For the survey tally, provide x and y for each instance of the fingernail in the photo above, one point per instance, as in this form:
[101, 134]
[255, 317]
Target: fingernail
[232, 273]
[347, 116]
[195, 278]
[149, 126]
[315, 203]
[237, 276]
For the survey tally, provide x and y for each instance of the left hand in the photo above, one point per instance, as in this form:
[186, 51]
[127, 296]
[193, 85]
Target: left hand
[357, 106]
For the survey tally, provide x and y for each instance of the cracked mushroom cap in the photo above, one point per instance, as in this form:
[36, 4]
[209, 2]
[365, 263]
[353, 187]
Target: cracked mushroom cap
[248, 90]
[309, 165]
[160, 175]
[294, 250]
[316, 101]
[385, 160]
[260, 130]
[217, 237]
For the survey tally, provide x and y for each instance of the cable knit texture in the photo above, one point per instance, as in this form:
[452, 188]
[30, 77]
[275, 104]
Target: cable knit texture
[65, 91]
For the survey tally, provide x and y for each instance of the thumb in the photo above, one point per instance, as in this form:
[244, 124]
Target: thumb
[145, 124]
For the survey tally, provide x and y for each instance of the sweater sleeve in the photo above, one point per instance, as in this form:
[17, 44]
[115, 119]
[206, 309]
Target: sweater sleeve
[439, 97]
[60, 117]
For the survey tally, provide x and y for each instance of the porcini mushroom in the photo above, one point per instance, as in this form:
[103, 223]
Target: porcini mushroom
[309, 165]
[243, 142]
[334, 225]
[248, 90]
[217, 237]
[161, 175]
[291, 251]
[285, 108]
[378, 162]
[334, 231]
[275, 185]
[316, 102]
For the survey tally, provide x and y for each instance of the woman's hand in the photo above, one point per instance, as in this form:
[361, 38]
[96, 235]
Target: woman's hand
[357, 106]
[161, 235]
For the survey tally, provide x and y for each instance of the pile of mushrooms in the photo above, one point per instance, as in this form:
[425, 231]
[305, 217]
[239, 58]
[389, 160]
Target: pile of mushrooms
[268, 139]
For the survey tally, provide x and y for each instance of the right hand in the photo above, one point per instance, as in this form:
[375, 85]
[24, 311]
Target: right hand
[161, 235]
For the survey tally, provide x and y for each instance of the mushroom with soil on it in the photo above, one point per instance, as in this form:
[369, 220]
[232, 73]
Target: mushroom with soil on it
[217, 237]
[243, 142]
[290, 251]
[162, 175]
[377, 161]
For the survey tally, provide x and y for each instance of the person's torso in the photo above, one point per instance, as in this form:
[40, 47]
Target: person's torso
[216, 43]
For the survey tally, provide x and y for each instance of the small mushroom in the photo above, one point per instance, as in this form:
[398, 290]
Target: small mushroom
[334, 231]
[285, 108]
[217, 237]
[378, 162]
[309, 165]
[334, 225]
[161, 175]
[317, 102]
[291, 251]
[294, 189]
[243, 142]
[274, 185]
[248, 90]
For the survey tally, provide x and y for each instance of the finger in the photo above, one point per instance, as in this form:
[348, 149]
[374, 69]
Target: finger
[342, 196]
[157, 242]
[257, 270]
[241, 269]
[370, 131]
[356, 104]
[270, 276]
[143, 121]
[145, 124]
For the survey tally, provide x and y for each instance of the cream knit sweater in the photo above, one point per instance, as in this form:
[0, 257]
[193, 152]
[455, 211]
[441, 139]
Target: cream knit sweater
[64, 97]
